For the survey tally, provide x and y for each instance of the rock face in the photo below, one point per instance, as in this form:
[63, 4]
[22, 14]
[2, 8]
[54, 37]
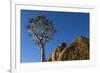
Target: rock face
[77, 50]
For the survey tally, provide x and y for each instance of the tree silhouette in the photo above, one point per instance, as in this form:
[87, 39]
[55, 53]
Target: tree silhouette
[42, 31]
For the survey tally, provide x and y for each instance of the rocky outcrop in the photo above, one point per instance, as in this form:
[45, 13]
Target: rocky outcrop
[57, 52]
[77, 50]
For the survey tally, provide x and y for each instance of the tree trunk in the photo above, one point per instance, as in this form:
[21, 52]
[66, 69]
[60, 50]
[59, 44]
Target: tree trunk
[42, 54]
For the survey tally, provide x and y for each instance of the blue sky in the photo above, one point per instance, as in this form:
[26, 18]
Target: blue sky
[69, 25]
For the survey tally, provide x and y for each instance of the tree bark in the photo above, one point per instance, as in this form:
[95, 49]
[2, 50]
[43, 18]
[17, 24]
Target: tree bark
[42, 54]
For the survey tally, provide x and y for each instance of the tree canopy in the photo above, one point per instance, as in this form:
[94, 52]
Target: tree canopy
[41, 29]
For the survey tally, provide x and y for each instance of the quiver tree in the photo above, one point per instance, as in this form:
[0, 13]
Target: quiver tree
[42, 31]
